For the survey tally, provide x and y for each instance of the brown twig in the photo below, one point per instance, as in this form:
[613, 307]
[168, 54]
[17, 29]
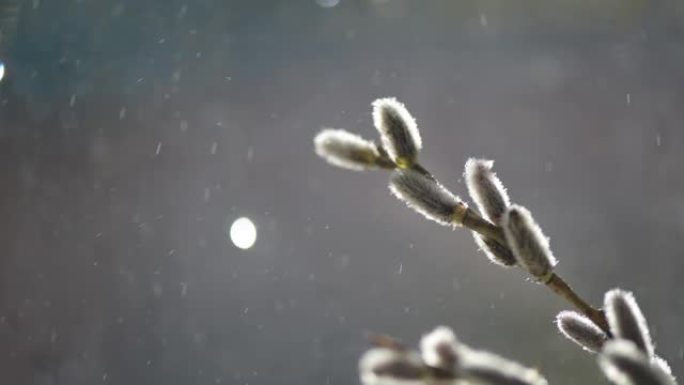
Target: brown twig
[560, 287]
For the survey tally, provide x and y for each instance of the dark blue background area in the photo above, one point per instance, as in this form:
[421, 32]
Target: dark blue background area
[115, 263]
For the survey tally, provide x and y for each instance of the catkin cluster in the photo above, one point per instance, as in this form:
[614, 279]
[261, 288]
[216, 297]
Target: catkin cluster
[626, 353]
[509, 236]
[442, 359]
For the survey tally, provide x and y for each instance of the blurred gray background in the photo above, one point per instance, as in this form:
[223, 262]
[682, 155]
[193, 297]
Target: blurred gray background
[133, 133]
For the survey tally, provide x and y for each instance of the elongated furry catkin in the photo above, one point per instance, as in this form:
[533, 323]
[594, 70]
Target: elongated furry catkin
[528, 243]
[425, 195]
[398, 131]
[440, 349]
[344, 149]
[625, 364]
[485, 189]
[581, 330]
[496, 253]
[382, 366]
[626, 319]
[484, 368]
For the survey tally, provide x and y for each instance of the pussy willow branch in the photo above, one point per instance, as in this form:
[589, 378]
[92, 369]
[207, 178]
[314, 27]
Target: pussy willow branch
[470, 219]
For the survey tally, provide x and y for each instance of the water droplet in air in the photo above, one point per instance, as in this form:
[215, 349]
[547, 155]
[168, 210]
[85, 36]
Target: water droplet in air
[327, 3]
[483, 20]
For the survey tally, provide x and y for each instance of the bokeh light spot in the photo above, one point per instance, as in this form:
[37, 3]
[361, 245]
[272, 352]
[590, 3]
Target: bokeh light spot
[243, 233]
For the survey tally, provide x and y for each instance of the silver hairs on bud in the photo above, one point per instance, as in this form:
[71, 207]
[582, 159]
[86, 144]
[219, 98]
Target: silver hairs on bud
[382, 366]
[398, 131]
[484, 368]
[439, 349]
[625, 364]
[496, 253]
[528, 243]
[626, 320]
[427, 196]
[664, 366]
[344, 149]
[486, 189]
[581, 330]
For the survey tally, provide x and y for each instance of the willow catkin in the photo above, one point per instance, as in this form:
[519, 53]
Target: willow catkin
[494, 251]
[626, 320]
[484, 368]
[344, 149]
[426, 196]
[486, 189]
[398, 131]
[624, 363]
[581, 330]
[382, 366]
[528, 243]
[440, 349]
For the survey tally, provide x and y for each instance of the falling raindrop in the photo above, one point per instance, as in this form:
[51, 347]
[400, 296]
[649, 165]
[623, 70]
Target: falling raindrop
[327, 3]
[483, 20]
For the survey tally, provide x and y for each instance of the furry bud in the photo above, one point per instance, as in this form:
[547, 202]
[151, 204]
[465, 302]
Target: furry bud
[382, 366]
[484, 368]
[528, 243]
[344, 149]
[496, 253]
[439, 349]
[624, 363]
[626, 320]
[581, 330]
[398, 130]
[427, 196]
[664, 366]
[486, 189]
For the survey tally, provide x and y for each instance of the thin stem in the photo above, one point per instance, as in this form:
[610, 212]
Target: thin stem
[560, 287]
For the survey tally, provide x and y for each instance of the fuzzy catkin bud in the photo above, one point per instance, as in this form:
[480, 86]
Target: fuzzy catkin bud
[625, 364]
[382, 366]
[581, 330]
[528, 243]
[664, 366]
[344, 149]
[496, 253]
[626, 320]
[489, 369]
[427, 196]
[398, 130]
[486, 189]
[439, 349]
